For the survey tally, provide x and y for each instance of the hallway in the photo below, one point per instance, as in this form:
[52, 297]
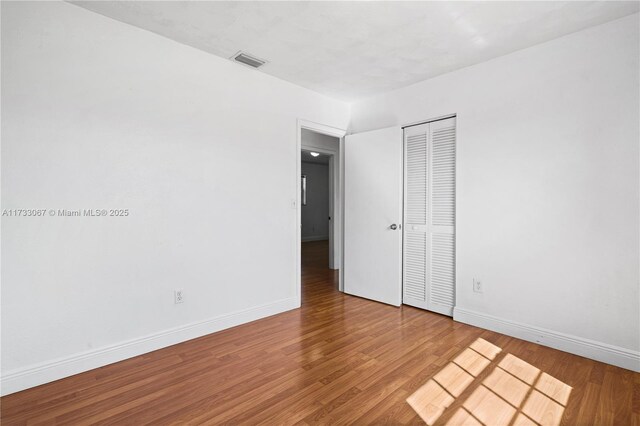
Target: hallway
[317, 278]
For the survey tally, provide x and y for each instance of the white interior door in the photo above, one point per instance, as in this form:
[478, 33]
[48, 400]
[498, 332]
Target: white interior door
[373, 213]
[429, 216]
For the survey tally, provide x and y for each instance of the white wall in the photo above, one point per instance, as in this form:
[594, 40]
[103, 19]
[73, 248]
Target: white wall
[315, 214]
[548, 187]
[99, 114]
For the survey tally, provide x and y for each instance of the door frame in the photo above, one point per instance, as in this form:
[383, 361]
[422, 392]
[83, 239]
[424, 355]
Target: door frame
[339, 241]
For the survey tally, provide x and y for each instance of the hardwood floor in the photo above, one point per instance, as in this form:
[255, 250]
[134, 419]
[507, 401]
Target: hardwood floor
[340, 359]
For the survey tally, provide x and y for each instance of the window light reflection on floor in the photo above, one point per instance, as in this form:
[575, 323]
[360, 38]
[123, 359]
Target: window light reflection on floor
[513, 391]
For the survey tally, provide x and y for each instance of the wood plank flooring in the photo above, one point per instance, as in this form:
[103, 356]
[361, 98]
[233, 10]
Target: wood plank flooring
[339, 360]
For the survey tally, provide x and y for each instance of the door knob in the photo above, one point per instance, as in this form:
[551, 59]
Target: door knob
[394, 227]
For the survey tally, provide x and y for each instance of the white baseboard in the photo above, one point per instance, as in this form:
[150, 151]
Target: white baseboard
[603, 352]
[34, 375]
[315, 238]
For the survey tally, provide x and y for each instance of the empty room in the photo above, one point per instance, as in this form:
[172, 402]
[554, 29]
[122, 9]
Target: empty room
[320, 212]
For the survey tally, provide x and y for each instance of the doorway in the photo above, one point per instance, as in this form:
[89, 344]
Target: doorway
[319, 187]
[319, 199]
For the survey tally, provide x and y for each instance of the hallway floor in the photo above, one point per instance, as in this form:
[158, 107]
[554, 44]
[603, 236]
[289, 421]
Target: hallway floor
[340, 359]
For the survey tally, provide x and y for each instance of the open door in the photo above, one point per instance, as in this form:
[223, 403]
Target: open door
[373, 214]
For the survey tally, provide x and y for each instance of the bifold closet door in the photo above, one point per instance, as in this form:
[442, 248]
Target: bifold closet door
[429, 216]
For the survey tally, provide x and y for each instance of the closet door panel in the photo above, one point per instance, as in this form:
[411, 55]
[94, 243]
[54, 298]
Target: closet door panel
[441, 279]
[416, 193]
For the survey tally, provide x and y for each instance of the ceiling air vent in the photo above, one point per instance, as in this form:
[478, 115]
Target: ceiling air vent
[248, 60]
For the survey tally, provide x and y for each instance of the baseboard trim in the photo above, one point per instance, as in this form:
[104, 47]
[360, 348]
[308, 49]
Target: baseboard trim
[24, 378]
[591, 349]
[314, 238]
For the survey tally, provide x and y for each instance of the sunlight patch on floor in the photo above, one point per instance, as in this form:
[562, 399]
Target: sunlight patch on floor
[512, 392]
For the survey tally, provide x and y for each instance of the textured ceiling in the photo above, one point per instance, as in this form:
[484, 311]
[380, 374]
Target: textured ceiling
[351, 50]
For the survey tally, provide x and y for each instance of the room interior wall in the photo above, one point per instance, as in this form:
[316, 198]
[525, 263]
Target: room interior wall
[547, 187]
[97, 114]
[315, 214]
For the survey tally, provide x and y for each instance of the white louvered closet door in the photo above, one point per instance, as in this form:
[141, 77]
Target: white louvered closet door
[429, 216]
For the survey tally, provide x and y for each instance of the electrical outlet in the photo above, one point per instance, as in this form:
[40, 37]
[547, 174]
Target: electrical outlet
[477, 286]
[178, 295]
